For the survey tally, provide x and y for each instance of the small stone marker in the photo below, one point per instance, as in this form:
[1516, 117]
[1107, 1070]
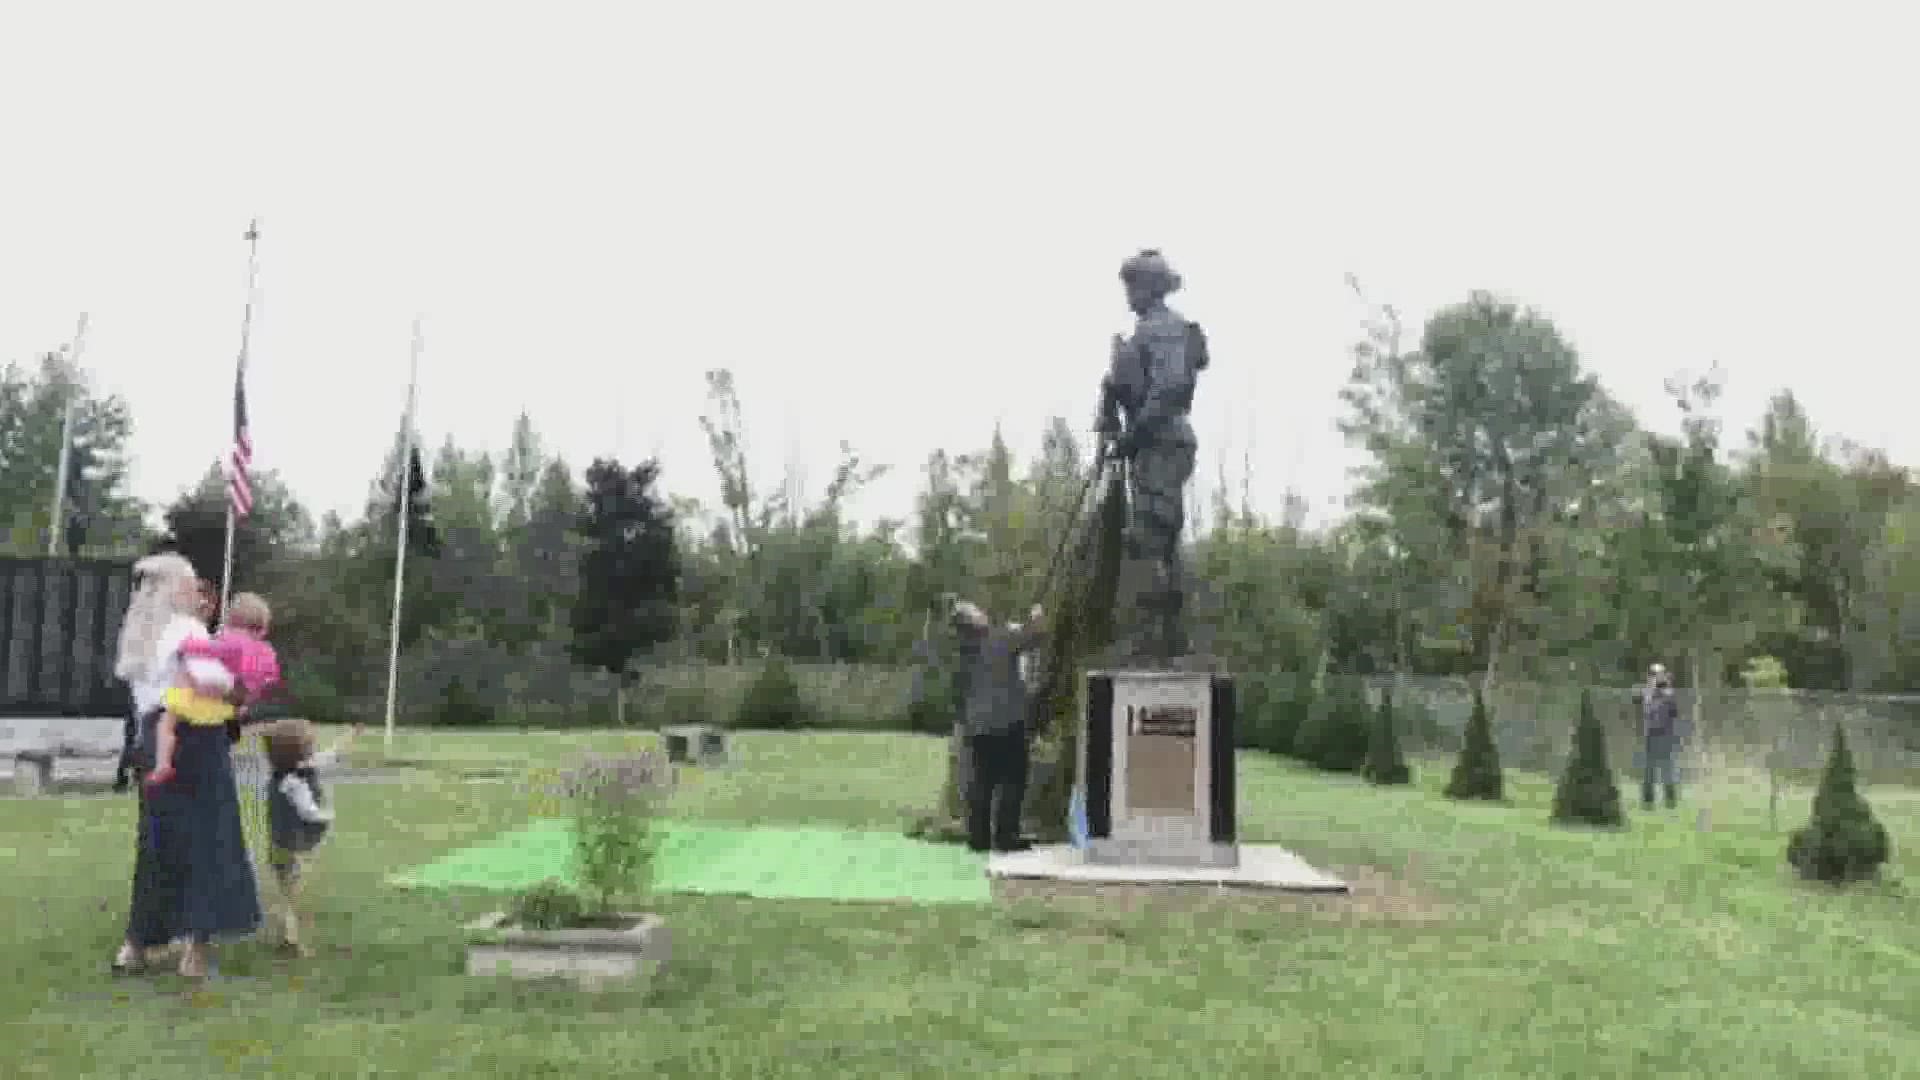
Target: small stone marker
[32, 772]
[697, 744]
[1158, 768]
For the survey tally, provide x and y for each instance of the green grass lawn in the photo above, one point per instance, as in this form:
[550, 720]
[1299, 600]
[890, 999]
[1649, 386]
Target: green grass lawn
[1484, 944]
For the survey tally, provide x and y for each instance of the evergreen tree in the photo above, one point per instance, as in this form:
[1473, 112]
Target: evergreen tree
[102, 516]
[1336, 733]
[1476, 774]
[774, 701]
[1843, 842]
[196, 527]
[629, 573]
[1386, 765]
[1588, 793]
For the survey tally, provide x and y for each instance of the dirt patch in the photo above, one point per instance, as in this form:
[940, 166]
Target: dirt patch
[1373, 897]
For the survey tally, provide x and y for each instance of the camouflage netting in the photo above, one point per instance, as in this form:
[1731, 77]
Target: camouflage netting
[1080, 628]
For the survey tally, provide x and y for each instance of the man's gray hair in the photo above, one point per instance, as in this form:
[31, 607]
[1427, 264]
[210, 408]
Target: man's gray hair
[969, 612]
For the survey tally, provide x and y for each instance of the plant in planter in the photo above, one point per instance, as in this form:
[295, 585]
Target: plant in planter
[586, 933]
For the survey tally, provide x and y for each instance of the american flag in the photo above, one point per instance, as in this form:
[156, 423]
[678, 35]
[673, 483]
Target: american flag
[240, 459]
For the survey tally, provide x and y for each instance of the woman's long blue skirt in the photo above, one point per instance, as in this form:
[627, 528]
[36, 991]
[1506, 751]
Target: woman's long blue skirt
[192, 874]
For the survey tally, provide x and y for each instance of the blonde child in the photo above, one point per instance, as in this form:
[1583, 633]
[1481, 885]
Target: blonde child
[217, 675]
[298, 813]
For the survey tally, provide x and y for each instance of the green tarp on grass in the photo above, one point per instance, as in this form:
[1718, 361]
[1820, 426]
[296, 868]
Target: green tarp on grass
[775, 863]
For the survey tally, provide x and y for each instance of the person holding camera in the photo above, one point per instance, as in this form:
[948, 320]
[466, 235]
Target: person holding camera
[1660, 732]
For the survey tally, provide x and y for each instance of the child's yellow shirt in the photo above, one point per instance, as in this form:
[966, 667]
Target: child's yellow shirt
[198, 709]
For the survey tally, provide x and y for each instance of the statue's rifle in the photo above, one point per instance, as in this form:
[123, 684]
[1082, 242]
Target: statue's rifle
[1071, 549]
[1071, 533]
[1107, 426]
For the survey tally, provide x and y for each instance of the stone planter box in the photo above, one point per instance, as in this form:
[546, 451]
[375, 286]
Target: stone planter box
[629, 949]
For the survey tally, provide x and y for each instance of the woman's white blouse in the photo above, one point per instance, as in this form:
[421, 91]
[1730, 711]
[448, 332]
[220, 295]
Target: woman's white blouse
[150, 693]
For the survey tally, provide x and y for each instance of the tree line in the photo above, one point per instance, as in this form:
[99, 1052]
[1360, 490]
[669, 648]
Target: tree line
[1513, 521]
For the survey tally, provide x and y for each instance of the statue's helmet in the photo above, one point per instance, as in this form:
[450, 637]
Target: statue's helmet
[1150, 270]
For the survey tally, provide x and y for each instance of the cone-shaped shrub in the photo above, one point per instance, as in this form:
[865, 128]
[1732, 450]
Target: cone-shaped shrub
[1588, 793]
[1385, 763]
[1476, 774]
[774, 701]
[1335, 734]
[1842, 842]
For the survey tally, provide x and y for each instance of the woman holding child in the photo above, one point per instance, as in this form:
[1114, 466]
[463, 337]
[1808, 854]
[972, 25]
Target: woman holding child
[193, 879]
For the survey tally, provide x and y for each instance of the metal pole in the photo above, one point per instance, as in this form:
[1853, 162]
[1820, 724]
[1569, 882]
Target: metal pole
[57, 524]
[400, 543]
[246, 337]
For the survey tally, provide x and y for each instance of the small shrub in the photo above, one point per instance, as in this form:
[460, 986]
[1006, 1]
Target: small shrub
[615, 801]
[1292, 703]
[549, 905]
[1588, 793]
[312, 695]
[1386, 764]
[684, 705]
[773, 702]
[460, 707]
[1476, 772]
[1764, 673]
[1842, 842]
[1252, 694]
[934, 704]
[1268, 717]
[1336, 734]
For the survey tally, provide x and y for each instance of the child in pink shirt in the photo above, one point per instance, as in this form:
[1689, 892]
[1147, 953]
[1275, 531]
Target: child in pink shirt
[239, 656]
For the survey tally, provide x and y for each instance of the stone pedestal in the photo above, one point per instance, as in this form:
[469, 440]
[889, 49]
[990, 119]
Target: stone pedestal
[1157, 769]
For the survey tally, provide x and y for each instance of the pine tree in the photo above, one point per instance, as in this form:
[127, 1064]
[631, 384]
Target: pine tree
[1335, 735]
[629, 573]
[1386, 765]
[1476, 774]
[1842, 842]
[1588, 793]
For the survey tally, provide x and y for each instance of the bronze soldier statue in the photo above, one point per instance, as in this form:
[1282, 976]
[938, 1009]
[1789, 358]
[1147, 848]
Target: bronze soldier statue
[1144, 402]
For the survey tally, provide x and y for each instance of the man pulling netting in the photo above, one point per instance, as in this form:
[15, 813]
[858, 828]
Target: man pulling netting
[993, 721]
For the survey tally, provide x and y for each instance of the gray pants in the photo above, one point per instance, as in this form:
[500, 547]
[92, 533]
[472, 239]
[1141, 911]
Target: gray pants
[1661, 767]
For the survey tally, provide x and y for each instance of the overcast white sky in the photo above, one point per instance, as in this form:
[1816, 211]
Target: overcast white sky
[900, 223]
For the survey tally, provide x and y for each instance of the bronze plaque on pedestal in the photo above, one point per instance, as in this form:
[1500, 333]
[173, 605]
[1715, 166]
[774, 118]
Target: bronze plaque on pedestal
[1160, 773]
[1175, 720]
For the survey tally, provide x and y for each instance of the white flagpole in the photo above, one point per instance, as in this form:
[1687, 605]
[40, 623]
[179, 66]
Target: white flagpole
[400, 541]
[246, 335]
[57, 525]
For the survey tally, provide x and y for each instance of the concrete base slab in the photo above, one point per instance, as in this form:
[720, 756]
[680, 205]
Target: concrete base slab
[1262, 866]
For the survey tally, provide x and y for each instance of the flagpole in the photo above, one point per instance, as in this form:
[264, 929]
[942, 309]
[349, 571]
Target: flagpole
[246, 334]
[400, 539]
[56, 525]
